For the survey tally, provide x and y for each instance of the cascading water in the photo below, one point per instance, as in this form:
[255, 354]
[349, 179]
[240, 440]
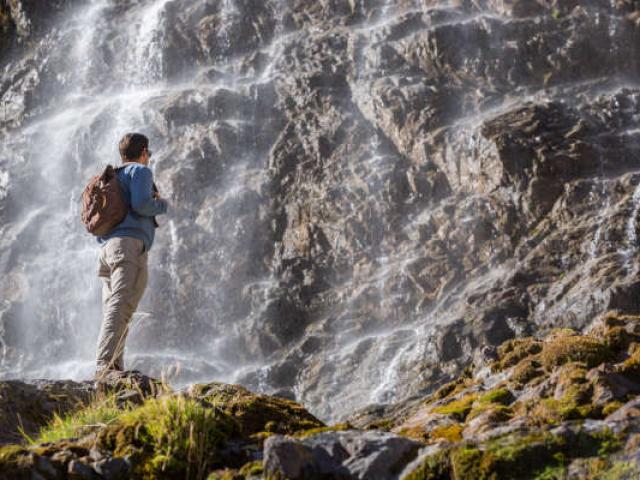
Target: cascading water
[363, 194]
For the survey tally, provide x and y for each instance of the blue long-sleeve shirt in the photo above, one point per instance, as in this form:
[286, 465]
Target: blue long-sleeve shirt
[136, 181]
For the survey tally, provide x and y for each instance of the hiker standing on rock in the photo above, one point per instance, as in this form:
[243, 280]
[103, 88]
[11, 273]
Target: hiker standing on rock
[128, 194]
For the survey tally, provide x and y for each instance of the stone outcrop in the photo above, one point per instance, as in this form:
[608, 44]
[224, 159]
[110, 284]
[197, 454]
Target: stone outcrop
[347, 454]
[30, 406]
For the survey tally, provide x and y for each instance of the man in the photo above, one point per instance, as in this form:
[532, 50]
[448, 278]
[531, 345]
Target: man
[124, 253]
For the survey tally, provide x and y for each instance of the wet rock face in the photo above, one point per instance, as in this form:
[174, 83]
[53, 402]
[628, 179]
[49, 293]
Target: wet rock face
[365, 195]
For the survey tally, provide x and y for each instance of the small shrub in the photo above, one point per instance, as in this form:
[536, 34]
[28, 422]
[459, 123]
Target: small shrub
[564, 349]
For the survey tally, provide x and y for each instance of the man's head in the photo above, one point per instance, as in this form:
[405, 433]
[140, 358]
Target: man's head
[134, 147]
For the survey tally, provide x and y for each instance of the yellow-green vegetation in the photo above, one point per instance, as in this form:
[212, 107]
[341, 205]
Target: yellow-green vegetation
[513, 351]
[12, 455]
[495, 401]
[339, 427]
[527, 370]
[169, 437]
[631, 366]
[416, 432]
[611, 407]
[174, 436]
[257, 413]
[496, 413]
[616, 319]
[575, 402]
[99, 413]
[253, 469]
[501, 396]
[514, 457]
[452, 388]
[451, 433]
[457, 408]
[561, 349]
[618, 471]
[461, 407]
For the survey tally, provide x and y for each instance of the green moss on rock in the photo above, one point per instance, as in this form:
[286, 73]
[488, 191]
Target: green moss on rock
[630, 368]
[526, 371]
[513, 351]
[538, 456]
[340, 427]
[451, 433]
[500, 396]
[257, 413]
[457, 408]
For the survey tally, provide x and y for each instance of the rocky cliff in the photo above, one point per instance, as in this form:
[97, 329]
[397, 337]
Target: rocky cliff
[366, 195]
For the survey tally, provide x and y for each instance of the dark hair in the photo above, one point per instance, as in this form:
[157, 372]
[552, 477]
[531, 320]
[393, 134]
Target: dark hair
[132, 145]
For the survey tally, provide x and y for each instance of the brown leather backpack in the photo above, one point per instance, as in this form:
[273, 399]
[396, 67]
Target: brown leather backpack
[103, 204]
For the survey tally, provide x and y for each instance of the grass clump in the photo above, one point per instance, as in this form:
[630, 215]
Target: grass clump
[513, 351]
[500, 396]
[99, 413]
[526, 371]
[434, 467]
[169, 437]
[563, 349]
[253, 469]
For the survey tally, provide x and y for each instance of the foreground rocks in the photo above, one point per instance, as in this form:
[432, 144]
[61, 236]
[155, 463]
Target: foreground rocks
[347, 454]
[563, 406]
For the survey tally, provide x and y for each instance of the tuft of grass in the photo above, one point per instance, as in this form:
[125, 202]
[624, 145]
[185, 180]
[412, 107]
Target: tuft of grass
[573, 348]
[99, 413]
[513, 351]
[173, 437]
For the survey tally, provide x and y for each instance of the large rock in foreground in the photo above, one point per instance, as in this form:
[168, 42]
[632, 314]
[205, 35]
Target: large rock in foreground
[563, 406]
[345, 455]
[29, 406]
[172, 435]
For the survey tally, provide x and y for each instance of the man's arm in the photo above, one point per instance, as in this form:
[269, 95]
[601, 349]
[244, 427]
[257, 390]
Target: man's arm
[143, 200]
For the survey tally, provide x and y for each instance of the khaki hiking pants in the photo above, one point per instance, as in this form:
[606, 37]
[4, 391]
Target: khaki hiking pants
[123, 270]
